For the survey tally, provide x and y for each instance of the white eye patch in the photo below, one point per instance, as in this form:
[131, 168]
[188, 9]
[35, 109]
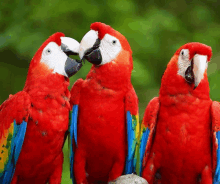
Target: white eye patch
[183, 62]
[54, 58]
[110, 48]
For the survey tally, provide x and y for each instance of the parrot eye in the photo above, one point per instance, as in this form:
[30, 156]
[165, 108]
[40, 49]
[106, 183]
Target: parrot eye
[114, 42]
[183, 62]
[48, 51]
[184, 53]
[110, 47]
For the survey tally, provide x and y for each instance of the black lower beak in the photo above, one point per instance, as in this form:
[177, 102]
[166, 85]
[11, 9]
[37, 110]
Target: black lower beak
[94, 56]
[67, 51]
[189, 76]
[72, 66]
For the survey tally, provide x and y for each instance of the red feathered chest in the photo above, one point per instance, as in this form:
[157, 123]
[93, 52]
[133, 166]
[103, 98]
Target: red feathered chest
[183, 136]
[101, 107]
[101, 127]
[46, 128]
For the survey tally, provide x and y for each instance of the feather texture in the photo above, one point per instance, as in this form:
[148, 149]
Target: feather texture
[217, 171]
[73, 136]
[178, 148]
[215, 112]
[132, 136]
[14, 114]
[44, 106]
[147, 131]
[10, 150]
[107, 109]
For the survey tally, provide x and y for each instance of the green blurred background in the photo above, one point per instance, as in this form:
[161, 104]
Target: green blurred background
[155, 30]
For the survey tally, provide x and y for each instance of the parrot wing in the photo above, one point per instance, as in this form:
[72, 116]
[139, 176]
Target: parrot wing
[147, 132]
[74, 101]
[14, 114]
[215, 113]
[73, 135]
[132, 119]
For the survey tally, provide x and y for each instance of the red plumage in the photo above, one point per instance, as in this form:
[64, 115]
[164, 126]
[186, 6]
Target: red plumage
[16, 107]
[102, 29]
[179, 148]
[44, 105]
[196, 48]
[41, 157]
[53, 38]
[103, 98]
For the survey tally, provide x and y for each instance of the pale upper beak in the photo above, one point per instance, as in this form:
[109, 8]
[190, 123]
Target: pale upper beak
[87, 42]
[71, 47]
[89, 48]
[199, 67]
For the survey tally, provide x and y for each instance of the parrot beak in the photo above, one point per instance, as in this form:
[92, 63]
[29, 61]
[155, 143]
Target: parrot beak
[195, 72]
[70, 47]
[199, 68]
[89, 48]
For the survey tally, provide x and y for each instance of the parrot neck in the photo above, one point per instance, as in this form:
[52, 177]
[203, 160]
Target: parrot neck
[51, 84]
[111, 76]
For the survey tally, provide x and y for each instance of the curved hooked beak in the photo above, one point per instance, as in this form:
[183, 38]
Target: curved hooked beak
[195, 72]
[71, 47]
[89, 48]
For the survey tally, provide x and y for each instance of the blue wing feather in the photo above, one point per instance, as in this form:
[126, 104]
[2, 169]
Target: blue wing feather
[144, 139]
[16, 145]
[130, 135]
[18, 142]
[74, 115]
[132, 141]
[73, 135]
[217, 171]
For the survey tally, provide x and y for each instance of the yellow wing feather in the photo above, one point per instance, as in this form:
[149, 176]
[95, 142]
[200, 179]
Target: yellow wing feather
[5, 144]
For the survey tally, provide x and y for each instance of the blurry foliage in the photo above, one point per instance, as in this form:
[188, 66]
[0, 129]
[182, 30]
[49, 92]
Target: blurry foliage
[155, 30]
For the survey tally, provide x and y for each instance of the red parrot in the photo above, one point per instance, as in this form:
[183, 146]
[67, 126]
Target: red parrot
[180, 126]
[34, 121]
[105, 107]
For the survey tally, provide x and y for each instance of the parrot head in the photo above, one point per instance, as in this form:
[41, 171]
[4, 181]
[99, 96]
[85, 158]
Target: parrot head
[187, 69]
[109, 52]
[102, 45]
[52, 57]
